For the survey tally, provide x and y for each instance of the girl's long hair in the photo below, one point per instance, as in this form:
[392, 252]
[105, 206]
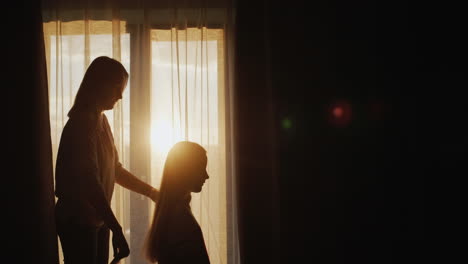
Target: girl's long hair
[95, 85]
[179, 163]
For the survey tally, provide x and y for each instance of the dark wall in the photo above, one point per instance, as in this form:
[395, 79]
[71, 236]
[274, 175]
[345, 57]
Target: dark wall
[372, 188]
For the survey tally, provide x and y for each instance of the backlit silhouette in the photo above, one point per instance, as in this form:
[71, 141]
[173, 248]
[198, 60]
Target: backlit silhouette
[175, 236]
[88, 167]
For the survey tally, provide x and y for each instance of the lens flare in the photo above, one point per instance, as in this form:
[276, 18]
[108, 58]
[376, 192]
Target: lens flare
[339, 113]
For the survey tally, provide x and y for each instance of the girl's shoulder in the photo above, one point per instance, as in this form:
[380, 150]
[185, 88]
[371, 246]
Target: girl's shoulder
[182, 221]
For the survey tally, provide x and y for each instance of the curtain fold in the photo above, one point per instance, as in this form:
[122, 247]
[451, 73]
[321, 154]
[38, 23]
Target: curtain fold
[255, 141]
[29, 213]
[180, 61]
[44, 161]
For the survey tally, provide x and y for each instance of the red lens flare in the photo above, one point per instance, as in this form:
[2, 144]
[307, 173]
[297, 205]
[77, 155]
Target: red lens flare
[339, 113]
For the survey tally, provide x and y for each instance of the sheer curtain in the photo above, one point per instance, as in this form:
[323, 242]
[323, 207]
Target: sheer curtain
[178, 57]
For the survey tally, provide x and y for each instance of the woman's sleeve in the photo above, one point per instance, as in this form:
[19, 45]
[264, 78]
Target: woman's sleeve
[117, 162]
[86, 167]
[83, 159]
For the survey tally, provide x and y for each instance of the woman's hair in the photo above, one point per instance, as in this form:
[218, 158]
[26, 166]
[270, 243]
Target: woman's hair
[97, 83]
[179, 165]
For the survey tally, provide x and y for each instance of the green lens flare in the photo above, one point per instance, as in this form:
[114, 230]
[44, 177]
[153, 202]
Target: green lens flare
[286, 123]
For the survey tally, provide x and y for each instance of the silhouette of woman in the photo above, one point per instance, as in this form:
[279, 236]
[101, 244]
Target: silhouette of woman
[87, 168]
[175, 236]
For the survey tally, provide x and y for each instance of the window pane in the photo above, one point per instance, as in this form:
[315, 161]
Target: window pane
[69, 51]
[188, 104]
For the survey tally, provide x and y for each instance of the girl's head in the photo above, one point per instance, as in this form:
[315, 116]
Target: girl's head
[184, 172]
[102, 85]
[185, 168]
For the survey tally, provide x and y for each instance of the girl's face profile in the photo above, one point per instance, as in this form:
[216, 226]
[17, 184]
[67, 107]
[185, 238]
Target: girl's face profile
[199, 175]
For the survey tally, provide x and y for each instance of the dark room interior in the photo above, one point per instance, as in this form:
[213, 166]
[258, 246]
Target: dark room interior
[380, 186]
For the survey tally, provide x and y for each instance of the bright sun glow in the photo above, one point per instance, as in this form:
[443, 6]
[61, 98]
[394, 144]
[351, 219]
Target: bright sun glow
[163, 136]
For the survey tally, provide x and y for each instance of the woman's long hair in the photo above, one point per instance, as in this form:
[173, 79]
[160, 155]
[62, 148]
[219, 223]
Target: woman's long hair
[97, 83]
[180, 161]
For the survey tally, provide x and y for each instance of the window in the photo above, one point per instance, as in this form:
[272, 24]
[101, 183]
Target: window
[175, 92]
[188, 102]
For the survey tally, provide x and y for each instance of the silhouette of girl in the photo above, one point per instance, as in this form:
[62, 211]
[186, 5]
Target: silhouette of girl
[175, 236]
[87, 168]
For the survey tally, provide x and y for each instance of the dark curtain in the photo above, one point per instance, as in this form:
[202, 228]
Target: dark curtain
[30, 201]
[384, 187]
[255, 136]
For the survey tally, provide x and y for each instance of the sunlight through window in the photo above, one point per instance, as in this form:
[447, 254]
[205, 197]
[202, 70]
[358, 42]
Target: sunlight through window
[187, 103]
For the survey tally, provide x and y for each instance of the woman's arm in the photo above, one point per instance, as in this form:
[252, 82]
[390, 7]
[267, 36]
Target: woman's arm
[93, 193]
[126, 179]
[80, 158]
[85, 165]
[96, 197]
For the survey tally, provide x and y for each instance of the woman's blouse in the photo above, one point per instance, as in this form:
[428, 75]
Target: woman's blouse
[86, 156]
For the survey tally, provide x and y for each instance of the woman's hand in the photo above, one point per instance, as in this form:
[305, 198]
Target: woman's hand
[154, 194]
[120, 245]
